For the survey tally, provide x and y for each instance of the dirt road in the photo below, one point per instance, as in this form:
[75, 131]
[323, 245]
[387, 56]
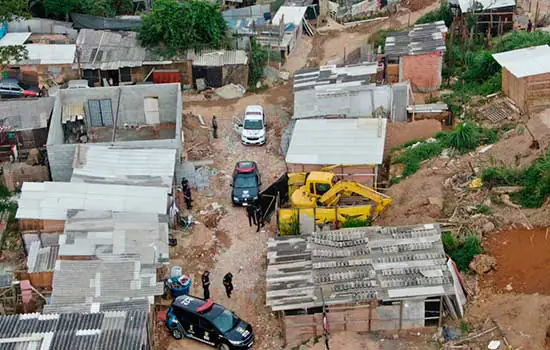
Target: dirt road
[233, 246]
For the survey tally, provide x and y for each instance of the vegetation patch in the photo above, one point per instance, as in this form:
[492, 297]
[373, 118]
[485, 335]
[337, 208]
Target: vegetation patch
[442, 14]
[354, 222]
[462, 250]
[535, 181]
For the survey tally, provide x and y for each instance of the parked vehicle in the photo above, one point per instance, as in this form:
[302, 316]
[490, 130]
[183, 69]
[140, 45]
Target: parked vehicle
[254, 126]
[246, 183]
[12, 88]
[208, 322]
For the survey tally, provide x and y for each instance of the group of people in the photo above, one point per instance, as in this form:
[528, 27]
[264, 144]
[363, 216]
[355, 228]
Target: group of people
[255, 215]
[227, 283]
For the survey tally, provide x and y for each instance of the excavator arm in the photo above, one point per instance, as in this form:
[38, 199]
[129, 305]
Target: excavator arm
[348, 188]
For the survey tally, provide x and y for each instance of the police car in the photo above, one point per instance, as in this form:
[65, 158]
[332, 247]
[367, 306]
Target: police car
[209, 323]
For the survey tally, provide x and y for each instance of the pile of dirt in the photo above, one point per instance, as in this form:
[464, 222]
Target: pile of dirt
[522, 258]
[212, 214]
[196, 136]
[415, 5]
[483, 263]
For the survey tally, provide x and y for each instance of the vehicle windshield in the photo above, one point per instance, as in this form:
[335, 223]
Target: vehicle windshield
[225, 321]
[245, 181]
[253, 124]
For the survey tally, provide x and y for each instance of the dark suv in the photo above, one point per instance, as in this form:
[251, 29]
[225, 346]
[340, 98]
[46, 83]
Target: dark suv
[14, 88]
[209, 323]
[246, 183]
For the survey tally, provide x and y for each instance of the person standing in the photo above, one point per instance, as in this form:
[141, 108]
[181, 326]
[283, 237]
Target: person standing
[251, 213]
[529, 26]
[206, 284]
[186, 193]
[259, 217]
[214, 127]
[228, 283]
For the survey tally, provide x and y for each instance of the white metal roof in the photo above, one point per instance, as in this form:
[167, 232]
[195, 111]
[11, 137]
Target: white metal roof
[50, 54]
[123, 166]
[292, 14]
[466, 6]
[51, 200]
[525, 62]
[337, 141]
[14, 39]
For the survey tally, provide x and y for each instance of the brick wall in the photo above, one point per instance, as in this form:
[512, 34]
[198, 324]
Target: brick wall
[400, 133]
[15, 174]
[423, 71]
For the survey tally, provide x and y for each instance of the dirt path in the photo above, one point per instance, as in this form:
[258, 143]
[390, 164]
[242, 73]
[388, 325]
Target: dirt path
[233, 246]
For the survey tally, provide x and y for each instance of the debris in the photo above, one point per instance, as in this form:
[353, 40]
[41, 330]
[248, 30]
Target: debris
[230, 91]
[212, 214]
[436, 201]
[502, 334]
[485, 149]
[284, 75]
[476, 335]
[488, 227]
[483, 263]
[509, 287]
[506, 189]
[201, 119]
[449, 334]
[201, 84]
[506, 200]
[475, 183]
[494, 345]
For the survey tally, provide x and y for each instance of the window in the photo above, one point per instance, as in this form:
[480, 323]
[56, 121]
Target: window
[91, 75]
[321, 189]
[225, 321]
[101, 112]
[204, 324]
[125, 74]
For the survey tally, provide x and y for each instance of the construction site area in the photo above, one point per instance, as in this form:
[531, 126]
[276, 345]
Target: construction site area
[368, 193]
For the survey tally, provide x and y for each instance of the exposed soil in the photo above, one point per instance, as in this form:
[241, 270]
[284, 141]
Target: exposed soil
[415, 5]
[523, 257]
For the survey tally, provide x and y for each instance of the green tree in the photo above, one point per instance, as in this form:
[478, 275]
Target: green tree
[258, 61]
[174, 27]
[61, 8]
[10, 10]
[106, 8]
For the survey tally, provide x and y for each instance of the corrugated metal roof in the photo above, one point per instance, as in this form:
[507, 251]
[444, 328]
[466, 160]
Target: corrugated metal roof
[5, 279]
[14, 39]
[255, 11]
[124, 330]
[337, 141]
[104, 233]
[354, 265]
[291, 14]
[124, 166]
[51, 200]
[525, 62]
[82, 21]
[26, 114]
[50, 54]
[115, 279]
[467, 6]
[421, 39]
[41, 259]
[217, 58]
[358, 73]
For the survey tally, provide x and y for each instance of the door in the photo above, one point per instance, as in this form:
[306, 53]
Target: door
[208, 333]
[151, 108]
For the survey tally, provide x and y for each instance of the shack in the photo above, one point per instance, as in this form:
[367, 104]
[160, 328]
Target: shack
[357, 144]
[366, 279]
[416, 56]
[293, 19]
[220, 67]
[491, 16]
[526, 77]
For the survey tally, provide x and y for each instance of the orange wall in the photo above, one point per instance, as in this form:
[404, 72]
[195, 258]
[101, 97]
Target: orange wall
[423, 71]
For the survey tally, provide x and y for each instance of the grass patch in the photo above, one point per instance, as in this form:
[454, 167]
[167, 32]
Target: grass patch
[442, 14]
[354, 222]
[413, 157]
[464, 327]
[482, 209]
[535, 181]
[462, 251]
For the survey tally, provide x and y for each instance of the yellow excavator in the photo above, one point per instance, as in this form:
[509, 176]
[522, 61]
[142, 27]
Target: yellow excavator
[326, 199]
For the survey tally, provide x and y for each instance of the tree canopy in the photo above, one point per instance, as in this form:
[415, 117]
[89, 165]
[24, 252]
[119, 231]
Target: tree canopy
[9, 10]
[173, 27]
[102, 8]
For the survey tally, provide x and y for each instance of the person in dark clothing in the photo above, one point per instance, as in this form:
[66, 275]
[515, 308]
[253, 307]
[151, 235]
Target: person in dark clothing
[228, 283]
[529, 26]
[214, 127]
[186, 193]
[206, 284]
[259, 217]
[251, 213]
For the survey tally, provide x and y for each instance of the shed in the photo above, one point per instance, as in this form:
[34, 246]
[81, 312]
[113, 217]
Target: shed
[293, 19]
[526, 77]
[416, 56]
[220, 67]
[357, 144]
[498, 15]
[368, 278]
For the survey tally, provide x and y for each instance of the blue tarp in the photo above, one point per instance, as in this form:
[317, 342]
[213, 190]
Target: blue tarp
[3, 29]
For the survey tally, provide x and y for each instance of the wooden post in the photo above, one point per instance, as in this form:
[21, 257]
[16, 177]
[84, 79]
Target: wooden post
[401, 315]
[371, 306]
[440, 311]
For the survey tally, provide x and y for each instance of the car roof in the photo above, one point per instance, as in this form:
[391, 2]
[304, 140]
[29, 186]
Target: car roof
[254, 109]
[246, 164]
[195, 303]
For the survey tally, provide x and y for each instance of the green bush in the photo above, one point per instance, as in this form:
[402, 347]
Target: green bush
[442, 14]
[354, 222]
[462, 251]
[450, 242]
[411, 158]
[464, 137]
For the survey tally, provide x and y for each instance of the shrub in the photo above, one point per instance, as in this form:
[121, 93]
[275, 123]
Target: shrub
[355, 222]
[464, 250]
[413, 157]
[442, 14]
[464, 137]
[450, 242]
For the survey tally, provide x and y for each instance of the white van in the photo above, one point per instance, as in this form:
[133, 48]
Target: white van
[253, 127]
